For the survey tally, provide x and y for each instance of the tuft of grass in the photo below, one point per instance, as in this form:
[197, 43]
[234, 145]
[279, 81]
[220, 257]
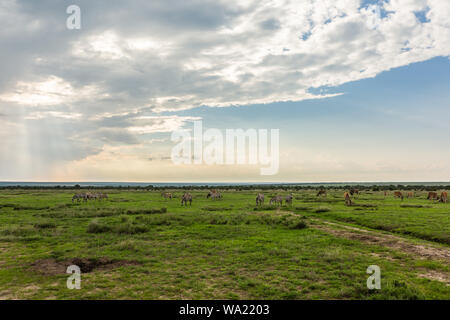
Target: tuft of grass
[96, 227]
[322, 209]
[146, 211]
[303, 208]
[216, 208]
[19, 231]
[298, 225]
[129, 228]
[45, 225]
[364, 205]
[265, 208]
[406, 205]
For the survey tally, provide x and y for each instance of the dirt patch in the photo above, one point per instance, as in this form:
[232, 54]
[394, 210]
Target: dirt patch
[390, 241]
[435, 275]
[54, 267]
[354, 233]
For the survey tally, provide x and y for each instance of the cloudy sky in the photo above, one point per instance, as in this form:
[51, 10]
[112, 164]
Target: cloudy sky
[360, 90]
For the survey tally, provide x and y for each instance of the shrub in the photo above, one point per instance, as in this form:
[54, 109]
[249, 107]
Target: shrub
[130, 229]
[298, 225]
[45, 225]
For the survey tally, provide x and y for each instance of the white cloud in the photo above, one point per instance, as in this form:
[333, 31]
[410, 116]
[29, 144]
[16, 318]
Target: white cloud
[153, 124]
[49, 92]
[109, 82]
[258, 51]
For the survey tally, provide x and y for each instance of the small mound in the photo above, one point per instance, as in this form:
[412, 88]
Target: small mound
[54, 267]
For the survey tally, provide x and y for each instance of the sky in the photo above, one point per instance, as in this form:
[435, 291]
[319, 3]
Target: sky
[359, 90]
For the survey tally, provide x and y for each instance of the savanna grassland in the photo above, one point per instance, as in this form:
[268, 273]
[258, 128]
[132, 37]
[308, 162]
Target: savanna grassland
[139, 245]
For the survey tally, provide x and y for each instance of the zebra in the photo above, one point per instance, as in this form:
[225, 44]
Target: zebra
[185, 198]
[259, 199]
[78, 197]
[288, 199]
[102, 196]
[214, 195]
[91, 196]
[278, 200]
[167, 195]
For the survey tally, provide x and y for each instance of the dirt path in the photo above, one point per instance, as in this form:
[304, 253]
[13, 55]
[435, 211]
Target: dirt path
[421, 251]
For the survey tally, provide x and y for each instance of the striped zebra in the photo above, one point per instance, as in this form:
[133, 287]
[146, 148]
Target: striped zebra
[259, 199]
[167, 195]
[278, 200]
[187, 197]
[78, 197]
[102, 196]
[214, 195]
[288, 199]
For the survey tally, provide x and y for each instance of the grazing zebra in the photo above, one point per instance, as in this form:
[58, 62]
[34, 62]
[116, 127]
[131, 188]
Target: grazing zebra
[167, 195]
[91, 196]
[78, 197]
[259, 199]
[278, 200]
[322, 193]
[348, 201]
[102, 196]
[85, 196]
[185, 198]
[214, 195]
[288, 199]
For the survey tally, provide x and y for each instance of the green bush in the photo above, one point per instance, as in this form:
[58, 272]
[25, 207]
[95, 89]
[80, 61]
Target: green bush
[130, 229]
[45, 225]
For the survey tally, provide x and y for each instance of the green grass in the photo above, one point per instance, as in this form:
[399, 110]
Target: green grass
[225, 249]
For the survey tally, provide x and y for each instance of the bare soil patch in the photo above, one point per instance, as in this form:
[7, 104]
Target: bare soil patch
[354, 233]
[435, 275]
[420, 250]
[54, 267]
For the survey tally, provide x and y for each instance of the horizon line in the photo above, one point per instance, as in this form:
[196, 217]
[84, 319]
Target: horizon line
[227, 182]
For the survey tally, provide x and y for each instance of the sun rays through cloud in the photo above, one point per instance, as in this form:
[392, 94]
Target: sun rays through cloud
[113, 91]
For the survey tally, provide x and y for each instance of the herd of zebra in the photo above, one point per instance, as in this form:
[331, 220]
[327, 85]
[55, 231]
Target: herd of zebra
[277, 200]
[85, 196]
[187, 197]
[397, 194]
[216, 195]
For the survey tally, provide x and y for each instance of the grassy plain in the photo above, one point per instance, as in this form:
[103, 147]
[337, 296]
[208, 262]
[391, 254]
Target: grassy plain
[138, 245]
